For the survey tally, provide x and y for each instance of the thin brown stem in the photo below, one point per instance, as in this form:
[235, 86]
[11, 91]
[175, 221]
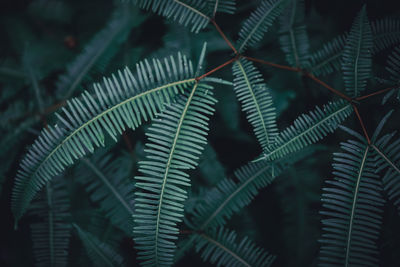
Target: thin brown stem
[217, 68]
[336, 92]
[362, 124]
[376, 93]
[224, 36]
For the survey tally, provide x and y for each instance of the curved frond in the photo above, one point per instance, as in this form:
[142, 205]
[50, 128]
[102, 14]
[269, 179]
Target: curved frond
[308, 129]
[51, 234]
[193, 13]
[386, 33]
[97, 53]
[221, 248]
[256, 101]
[329, 57]
[176, 141]
[352, 207]
[258, 23]
[100, 253]
[293, 35]
[119, 103]
[108, 183]
[357, 55]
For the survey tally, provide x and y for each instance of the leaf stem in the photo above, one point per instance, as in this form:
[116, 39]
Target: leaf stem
[362, 124]
[376, 93]
[224, 36]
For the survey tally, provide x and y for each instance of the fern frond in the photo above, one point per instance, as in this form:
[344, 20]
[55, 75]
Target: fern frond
[329, 57]
[228, 197]
[393, 65]
[99, 252]
[388, 161]
[308, 129]
[97, 53]
[357, 55]
[176, 141]
[352, 207]
[221, 248]
[51, 234]
[256, 101]
[118, 104]
[294, 39]
[386, 33]
[108, 184]
[223, 6]
[193, 13]
[258, 23]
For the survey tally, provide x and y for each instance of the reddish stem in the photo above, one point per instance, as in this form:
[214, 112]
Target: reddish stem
[217, 68]
[376, 93]
[362, 124]
[328, 87]
[224, 36]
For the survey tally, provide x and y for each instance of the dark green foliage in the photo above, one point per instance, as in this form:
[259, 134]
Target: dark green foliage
[153, 161]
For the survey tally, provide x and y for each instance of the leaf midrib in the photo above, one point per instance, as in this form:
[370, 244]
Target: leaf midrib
[353, 208]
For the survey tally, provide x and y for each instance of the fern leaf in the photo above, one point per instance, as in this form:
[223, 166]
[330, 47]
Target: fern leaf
[227, 197]
[256, 101]
[352, 207]
[393, 65]
[51, 234]
[99, 252]
[97, 53]
[221, 248]
[258, 23]
[308, 129]
[120, 103]
[186, 12]
[222, 6]
[176, 141]
[294, 39]
[107, 182]
[329, 57]
[386, 33]
[357, 55]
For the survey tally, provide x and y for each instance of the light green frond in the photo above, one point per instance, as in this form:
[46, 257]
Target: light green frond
[256, 101]
[222, 6]
[352, 209]
[258, 23]
[107, 181]
[176, 141]
[193, 13]
[123, 101]
[357, 55]
[308, 129]
[51, 233]
[100, 253]
[293, 35]
[220, 247]
[97, 53]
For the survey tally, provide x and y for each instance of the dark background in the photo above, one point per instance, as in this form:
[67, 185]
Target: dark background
[284, 216]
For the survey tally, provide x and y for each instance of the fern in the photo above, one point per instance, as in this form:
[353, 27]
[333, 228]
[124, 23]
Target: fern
[308, 129]
[329, 57]
[386, 33]
[221, 248]
[100, 253]
[357, 62]
[352, 205]
[107, 182]
[51, 234]
[223, 6]
[394, 65]
[97, 53]
[121, 103]
[294, 39]
[256, 101]
[176, 140]
[258, 23]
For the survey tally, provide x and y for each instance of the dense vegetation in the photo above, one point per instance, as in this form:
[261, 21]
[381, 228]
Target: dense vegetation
[194, 132]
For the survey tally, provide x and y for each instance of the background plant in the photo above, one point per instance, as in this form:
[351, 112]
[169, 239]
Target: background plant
[202, 167]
